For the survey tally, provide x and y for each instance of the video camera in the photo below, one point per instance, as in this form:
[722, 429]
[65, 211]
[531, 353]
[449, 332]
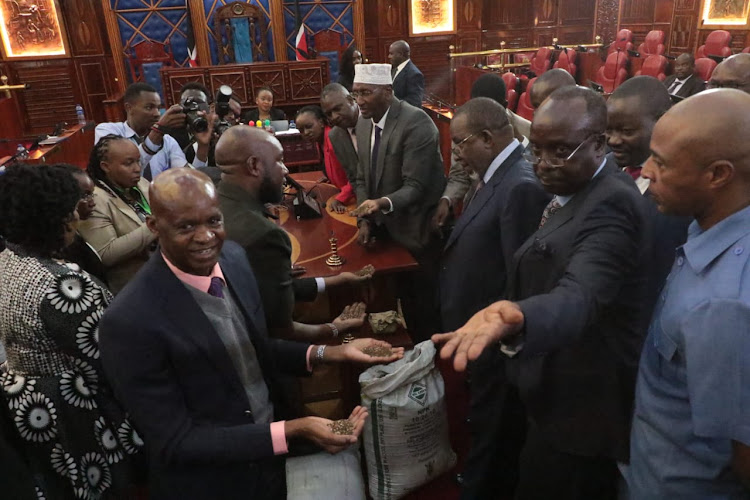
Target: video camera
[222, 109]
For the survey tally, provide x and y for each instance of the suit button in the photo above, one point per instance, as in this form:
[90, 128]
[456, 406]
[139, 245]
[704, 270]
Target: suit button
[249, 413]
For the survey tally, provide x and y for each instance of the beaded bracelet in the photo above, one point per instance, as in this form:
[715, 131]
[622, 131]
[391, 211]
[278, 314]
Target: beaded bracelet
[319, 353]
[334, 330]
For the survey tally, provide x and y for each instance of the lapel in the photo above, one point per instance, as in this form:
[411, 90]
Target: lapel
[239, 284]
[483, 196]
[390, 123]
[123, 207]
[364, 130]
[185, 314]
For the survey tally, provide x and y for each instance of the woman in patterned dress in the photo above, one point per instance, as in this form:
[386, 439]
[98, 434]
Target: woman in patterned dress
[77, 440]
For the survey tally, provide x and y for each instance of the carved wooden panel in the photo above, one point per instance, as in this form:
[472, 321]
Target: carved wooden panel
[469, 14]
[607, 13]
[545, 12]
[93, 74]
[83, 22]
[51, 97]
[544, 36]
[372, 50]
[235, 79]
[569, 35]
[432, 59]
[682, 32]
[504, 14]
[577, 11]
[306, 83]
[392, 18]
[514, 39]
[685, 4]
[663, 11]
[172, 85]
[637, 11]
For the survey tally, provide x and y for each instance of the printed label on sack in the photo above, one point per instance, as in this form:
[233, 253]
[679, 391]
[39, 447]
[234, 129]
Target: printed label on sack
[418, 393]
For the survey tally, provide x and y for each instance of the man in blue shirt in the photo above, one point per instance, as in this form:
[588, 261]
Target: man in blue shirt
[691, 428]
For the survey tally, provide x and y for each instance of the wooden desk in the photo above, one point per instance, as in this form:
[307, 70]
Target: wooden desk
[442, 118]
[299, 154]
[74, 147]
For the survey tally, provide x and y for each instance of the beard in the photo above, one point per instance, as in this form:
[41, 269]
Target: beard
[270, 192]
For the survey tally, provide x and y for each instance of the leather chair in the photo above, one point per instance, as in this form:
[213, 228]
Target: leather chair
[512, 85]
[541, 61]
[704, 68]
[330, 44]
[623, 41]
[567, 61]
[653, 45]
[746, 50]
[146, 58]
[614, 72]
[525, 109]
[717, 44]
[655, 66]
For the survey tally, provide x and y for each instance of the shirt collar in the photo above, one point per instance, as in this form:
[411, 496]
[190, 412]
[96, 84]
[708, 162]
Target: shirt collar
[703, 247]
[199, 282]
[499, 160]
[129, 132]
[402, 65]
[683, 80]
[565, 199]
[381, 123]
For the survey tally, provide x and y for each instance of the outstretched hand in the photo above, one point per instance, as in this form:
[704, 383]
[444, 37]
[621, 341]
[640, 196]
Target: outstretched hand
[356, 351]
[318, 430]
[487, 327]
[353, 316]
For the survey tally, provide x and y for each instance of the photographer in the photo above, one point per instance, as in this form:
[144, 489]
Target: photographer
[149, 130]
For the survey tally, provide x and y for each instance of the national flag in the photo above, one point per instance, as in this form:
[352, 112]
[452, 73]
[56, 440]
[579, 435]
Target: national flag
[190, 42]
[300, 44]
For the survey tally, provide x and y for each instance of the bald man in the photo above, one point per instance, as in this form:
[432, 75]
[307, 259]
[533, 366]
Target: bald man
[574, 322]
[690, 436]
[253, 172]
[198, 373]
[408, 81]
[684, 82]
[732, 73]
[548, 82]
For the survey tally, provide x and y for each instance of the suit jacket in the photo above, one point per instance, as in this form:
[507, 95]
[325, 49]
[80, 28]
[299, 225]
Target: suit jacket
[118, 235]
[269, 251]
[409, 171]
[409, 85]
[691, 87]
[86, 257]
[170, 369]
[499, 218]
[580, 281]
[344, 150]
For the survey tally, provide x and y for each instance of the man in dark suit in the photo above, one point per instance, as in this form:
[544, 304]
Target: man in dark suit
[573, 323]
[399, 182]
[253, 173]
[684, 82]
[408, 81]
[498, 216]
[632, 111]
[186, 350]
[343, 113]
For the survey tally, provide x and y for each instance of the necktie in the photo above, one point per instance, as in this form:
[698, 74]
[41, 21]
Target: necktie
[480, 185]
[634, 172]
[552, 207]
[374, 164]
[394, 69]
[217, 287]
[676, 83]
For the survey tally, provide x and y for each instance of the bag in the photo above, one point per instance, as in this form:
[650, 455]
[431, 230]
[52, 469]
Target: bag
[406, 436]
[322, 475]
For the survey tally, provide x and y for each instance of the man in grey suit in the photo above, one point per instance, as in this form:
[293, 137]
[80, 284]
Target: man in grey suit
[399, 179]
[343, 114]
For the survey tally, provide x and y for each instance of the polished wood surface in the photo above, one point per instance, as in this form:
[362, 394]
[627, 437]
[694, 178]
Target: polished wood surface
[442, 117]
[310, 238]
[300, 155]
[74, 147]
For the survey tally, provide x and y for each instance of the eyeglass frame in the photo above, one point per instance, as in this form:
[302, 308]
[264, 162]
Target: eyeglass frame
[365, 93]
[87, 196]
[459, 145]
[536, 160]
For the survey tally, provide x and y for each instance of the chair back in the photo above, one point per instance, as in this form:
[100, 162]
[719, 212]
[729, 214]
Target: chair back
[717, 44]
[512, 86]
[567, 61]
[655, 66]
[240, 32]
[332, 45]
[614, 72]
[653, 44]
[623, 41]
[525, 109]
[704, 68]
[541, 61]
[146, 58]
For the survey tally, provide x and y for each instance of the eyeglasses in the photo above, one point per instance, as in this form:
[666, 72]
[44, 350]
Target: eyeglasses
[459, 146]
[535, 157]
[87, 196]
[361, 93]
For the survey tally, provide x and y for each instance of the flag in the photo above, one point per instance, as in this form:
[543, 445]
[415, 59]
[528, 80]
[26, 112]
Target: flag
[300, 44]
[192, 53]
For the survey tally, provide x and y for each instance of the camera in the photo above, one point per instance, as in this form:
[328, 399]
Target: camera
[222, 109]
[195, 121]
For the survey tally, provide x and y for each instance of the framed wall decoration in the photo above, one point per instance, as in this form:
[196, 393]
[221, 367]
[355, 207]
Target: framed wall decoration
[32, 28]
[432, 17]
[725, 12]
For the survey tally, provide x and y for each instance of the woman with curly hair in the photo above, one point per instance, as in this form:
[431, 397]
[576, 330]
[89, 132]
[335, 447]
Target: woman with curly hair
[116, 227]
[313, 125]
[76, 439]
[346, 67]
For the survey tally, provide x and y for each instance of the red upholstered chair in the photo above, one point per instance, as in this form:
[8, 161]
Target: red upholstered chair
[541, 61]
[525, 109]
[746, 50]
[623, 41]
[653, 44]
[512, 86]
[567, 61]
[717, 44]
[704, 68]
[655, 66]
[614, 72]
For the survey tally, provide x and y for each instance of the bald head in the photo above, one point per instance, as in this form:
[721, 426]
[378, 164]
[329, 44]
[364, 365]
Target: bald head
[238, 143]
[548, 82]
[398, 52]
[733, 72]
[700, 157]
[186, 219]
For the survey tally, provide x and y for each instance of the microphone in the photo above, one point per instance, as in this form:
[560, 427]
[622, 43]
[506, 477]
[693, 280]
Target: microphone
[634, 53]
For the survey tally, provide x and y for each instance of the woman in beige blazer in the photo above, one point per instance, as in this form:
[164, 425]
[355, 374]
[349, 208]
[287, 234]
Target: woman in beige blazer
[117, 226]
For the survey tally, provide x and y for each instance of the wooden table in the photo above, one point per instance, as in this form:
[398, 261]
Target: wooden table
[74, 147]
[333, 390]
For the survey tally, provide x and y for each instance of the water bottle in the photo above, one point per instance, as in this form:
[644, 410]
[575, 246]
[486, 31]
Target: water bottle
[79, 114]
[21, 152]
[292, 125]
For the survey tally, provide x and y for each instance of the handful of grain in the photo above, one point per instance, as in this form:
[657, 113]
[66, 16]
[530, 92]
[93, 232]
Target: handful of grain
[368, 270]
[360, 210]
[342, 427]
[377, 351]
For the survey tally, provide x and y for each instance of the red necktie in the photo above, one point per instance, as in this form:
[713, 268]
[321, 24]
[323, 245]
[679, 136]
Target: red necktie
[634, 172]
